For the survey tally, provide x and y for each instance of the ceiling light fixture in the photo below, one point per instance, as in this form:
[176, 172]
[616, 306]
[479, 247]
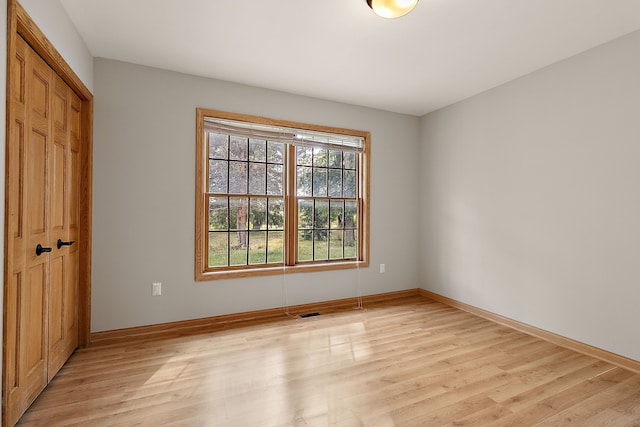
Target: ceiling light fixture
[392, 8]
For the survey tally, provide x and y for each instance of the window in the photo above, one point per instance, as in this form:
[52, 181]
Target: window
[274, 195]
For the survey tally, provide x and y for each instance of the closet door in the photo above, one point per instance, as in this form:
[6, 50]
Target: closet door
[64, 194]
[41, 290]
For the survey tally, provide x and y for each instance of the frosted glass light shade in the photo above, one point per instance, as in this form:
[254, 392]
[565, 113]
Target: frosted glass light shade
[392, 8]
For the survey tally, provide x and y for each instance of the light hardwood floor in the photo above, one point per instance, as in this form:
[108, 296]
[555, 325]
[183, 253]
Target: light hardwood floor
[409, 362]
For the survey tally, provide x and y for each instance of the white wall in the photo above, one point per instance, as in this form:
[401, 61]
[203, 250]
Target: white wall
[530, 198]
[144, 198]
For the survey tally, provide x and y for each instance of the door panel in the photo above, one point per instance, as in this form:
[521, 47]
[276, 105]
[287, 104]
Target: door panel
[35, 295]
[56, 275]
[58, 187]
[40, 88]
[14, 291]
[15, 152]
[37, 181]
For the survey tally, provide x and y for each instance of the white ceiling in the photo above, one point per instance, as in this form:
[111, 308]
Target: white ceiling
[442, 52]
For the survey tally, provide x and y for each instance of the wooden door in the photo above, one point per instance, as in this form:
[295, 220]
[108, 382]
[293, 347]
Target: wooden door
[41, 308]
[64, 184]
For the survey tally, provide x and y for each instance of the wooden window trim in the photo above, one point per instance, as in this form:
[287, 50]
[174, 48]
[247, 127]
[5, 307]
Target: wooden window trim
[203, 273]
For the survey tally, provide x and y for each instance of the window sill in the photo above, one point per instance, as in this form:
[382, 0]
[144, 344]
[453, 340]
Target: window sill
[268, 271]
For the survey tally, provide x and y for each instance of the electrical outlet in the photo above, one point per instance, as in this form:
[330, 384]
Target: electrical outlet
[383, 268]
[156, 289]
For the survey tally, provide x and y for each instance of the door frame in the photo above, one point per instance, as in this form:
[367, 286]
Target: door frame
[19, 23]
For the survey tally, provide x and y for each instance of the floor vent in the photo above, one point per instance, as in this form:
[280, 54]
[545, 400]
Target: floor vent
[315, 313]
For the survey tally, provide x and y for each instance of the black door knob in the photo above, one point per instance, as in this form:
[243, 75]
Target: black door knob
[61, 243]
[40, 250]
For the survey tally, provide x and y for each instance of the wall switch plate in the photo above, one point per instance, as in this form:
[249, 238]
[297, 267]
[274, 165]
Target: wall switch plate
[156, 289]
[383, 268]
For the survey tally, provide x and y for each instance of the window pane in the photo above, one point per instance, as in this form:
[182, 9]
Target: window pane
[305, 214]
[321, 217]
[257, 150]
[350, 240]
[218, 213]
[275, 180]
[257, 178]
[349, 160]
[335, 245]
[304, 181]
[275, 253]
[218, 176]
[305, 245]
[238, 148]
[351, 214]
[275, 220]
[218, 146]
[275, 152]
[304, 156]
[320, 182]
[218, 249]
[257, 214]
[335, 159]
[257, 247]
[336, 216]
[349, 184]
[237, 178]
[335, 183]
[320, 245]
[238, 214]
[238, 252]
[320, 156]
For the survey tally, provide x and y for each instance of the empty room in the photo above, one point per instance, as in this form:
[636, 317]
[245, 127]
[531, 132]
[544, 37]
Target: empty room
[335, 213]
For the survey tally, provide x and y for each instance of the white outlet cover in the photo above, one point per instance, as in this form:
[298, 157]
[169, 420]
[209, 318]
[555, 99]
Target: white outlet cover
[156, 289]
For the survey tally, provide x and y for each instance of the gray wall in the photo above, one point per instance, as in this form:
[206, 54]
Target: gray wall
[530, 198]
[144, 185]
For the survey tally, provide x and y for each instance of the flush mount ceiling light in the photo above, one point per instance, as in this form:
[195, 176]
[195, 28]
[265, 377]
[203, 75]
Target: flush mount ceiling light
[392, 8]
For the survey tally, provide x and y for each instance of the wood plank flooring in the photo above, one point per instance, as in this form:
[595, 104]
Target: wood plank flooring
[408, 362]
